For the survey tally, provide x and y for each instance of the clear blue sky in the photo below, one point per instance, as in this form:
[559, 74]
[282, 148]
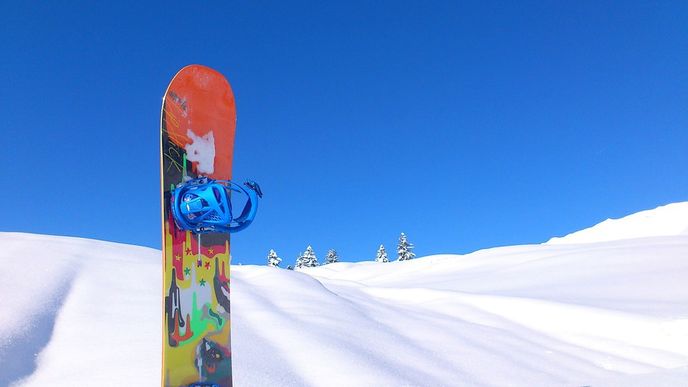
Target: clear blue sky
[465, 125]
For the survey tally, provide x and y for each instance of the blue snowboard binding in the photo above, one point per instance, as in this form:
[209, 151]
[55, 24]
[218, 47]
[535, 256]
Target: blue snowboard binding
[203, 205]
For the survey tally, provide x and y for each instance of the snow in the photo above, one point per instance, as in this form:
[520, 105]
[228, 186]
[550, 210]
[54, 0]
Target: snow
[604, 306]
[201, 151]
[667, 220]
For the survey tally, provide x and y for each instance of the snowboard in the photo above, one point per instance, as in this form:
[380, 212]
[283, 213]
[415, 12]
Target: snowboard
[197, 126]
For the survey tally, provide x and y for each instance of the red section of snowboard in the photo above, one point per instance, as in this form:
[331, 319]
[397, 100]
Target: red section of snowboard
[199, 113]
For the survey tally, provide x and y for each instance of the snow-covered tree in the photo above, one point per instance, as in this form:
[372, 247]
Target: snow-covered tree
[307, 259]
[273, 259]
[404, 248]
[332, 256]
[381, 255]
[299, 261]
[311, 259]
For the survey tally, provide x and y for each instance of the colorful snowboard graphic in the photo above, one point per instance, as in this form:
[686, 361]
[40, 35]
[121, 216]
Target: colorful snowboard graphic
[198, 121]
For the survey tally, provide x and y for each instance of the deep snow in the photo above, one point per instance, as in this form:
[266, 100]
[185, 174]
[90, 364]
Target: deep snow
[601, 307]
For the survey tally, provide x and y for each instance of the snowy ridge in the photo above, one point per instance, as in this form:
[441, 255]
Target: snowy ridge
[671, 219]
[63, 299]
[610, 313]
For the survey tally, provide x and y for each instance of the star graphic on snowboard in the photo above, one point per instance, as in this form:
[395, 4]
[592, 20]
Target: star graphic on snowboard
[202, 282]
[207, 265]
[187, 271]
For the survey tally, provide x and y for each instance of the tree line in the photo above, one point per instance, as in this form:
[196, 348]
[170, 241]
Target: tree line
[309, 259]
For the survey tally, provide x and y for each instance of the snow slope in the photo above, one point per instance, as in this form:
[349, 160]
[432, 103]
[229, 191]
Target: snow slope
[609, 313]
[667, 220]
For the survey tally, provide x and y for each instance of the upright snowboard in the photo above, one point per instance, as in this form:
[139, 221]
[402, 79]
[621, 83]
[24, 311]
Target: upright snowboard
[198, 121]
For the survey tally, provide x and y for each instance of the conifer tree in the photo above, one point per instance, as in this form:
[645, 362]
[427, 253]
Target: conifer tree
[307, 259]
[332, 256]
[300, 261]
[404, 248]
[273, 259]
[381, 255]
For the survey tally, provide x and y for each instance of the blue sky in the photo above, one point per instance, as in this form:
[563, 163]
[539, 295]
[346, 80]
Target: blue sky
[465, 125]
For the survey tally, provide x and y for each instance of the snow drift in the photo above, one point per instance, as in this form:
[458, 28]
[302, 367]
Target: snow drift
[604, 306]
[669, 220]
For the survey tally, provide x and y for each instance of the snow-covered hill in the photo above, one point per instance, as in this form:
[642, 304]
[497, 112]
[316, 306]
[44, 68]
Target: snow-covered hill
[668, 220]
[610, 313]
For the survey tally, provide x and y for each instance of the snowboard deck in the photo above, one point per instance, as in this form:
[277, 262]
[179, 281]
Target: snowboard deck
[197, 123]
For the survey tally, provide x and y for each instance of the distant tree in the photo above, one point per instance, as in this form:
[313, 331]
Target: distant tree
[311, 259]
[300, 261]
[273, 259]
[290, 267]
[332, 256]
[381, 255]
[404, 248]
[307, 259]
